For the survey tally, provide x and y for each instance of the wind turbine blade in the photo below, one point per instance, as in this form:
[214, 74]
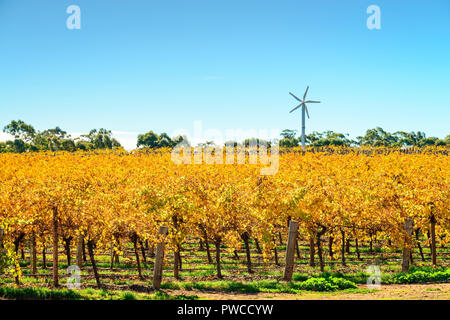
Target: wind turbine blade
[304, 96]
[306, 109]
[311, 101]
[295, 108]
[295, 96]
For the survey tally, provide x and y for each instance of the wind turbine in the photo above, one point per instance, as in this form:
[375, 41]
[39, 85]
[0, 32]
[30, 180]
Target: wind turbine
[304, 108]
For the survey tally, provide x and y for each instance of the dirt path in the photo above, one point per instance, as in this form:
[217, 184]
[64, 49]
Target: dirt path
[398, 291]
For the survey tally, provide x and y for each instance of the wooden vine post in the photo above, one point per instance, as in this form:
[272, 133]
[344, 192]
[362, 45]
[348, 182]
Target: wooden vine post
[2, 232]
[433, 240]
[407, 245]
[80, 250]
[290, 250]
[159, 258]
[33, 255]
[55, 247]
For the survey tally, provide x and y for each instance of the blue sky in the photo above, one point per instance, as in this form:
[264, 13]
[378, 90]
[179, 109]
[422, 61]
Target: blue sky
[136, 66]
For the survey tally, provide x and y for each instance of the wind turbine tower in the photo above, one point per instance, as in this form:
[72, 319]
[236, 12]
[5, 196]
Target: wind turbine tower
[302, 104]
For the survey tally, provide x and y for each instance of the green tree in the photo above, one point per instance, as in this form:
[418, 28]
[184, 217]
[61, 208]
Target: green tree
[430, 141]
[181, 140]
[148, 140]
[408, 138]
[447, 140]
[328, 138]
[3, 147]
[153, 140]
[378, 138]
[440, 142]
[84, 145]
[20, 130]
[256, 142]
[288, 134]
[288, 138]
[53, 140]
[164, 141]
[23, 134]
[102, 139]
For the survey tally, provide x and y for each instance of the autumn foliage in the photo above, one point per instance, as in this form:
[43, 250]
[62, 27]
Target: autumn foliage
[115, 197]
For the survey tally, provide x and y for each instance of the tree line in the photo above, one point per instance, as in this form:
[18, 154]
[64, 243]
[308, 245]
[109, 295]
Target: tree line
[26, 139]
[376, 137]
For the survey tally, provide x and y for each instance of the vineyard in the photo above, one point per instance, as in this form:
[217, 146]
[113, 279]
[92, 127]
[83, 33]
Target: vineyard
[104, 211]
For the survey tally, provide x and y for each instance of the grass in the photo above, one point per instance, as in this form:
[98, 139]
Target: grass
[433, 289]
[422, 276]
[128, 296]
[390, 274]
[311, 284]
[39, 293]
[164, 296]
